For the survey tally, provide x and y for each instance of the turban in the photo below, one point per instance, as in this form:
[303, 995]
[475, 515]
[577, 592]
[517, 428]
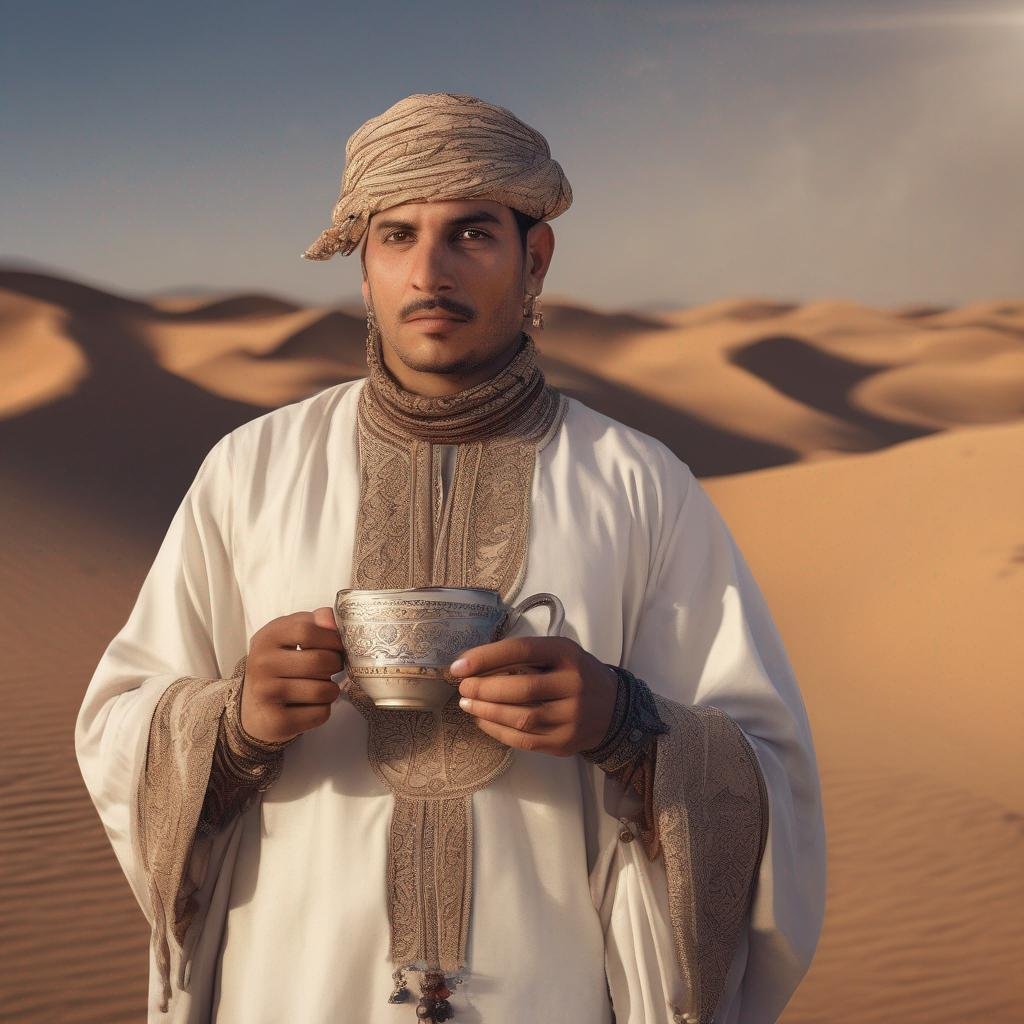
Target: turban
[435, 146]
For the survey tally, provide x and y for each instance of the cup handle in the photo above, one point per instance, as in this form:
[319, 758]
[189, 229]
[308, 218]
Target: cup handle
[554, 604]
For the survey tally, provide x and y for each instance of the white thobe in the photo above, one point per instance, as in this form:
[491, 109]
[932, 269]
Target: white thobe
[569, 922]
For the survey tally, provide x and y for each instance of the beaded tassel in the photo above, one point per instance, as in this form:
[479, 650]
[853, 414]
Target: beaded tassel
[401, 993]
[435, 989]
[433, 1004]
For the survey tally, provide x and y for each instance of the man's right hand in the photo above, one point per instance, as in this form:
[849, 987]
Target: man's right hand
[286, 692]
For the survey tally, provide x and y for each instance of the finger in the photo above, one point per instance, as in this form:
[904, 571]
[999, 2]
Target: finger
[277, 688]
[306, 664]
[543, 742]
[314, 638]
[309, 629]
[515, 689]
[539, 651]
[535, 718]
[310, 636]
[325, 617]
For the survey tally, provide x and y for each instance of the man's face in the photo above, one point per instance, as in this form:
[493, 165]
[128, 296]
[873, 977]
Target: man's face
[459, 259]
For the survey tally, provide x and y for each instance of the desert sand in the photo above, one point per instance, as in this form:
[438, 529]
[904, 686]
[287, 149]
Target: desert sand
[867, 460]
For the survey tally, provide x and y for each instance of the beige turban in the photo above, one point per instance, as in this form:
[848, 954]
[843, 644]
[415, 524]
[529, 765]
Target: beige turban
[435, 146]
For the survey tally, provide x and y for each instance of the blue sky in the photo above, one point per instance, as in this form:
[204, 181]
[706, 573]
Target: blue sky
[799, 150]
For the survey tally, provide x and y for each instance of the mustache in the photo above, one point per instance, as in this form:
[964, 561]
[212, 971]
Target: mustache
[439, 303]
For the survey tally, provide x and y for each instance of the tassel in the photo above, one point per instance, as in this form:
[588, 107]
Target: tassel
[401, 993]
[433, 1004]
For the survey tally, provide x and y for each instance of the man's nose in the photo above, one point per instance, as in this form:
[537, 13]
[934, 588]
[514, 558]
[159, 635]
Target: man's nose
[431, 271]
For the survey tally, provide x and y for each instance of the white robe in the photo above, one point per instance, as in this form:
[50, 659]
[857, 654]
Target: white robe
[569, 922]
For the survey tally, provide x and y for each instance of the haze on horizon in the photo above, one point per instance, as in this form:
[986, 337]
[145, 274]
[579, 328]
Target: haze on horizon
[795, 150]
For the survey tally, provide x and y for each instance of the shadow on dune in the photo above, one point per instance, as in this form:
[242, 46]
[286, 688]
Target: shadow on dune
[231, 308]
[920, 312]
[335, 336]
[126, 445]
[707, 449]
[60, 291]
[819, 380]
[84, 298]
[757, 310]
[568, 319]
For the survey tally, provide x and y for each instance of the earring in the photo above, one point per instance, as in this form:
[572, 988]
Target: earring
[531, 310]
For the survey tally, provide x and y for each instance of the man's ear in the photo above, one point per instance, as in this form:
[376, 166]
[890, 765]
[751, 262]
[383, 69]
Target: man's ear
[540, 247]
[365, 288]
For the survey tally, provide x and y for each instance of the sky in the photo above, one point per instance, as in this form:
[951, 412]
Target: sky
[795, 150]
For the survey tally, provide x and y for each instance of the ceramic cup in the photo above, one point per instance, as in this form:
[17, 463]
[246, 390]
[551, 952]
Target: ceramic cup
[399, 643]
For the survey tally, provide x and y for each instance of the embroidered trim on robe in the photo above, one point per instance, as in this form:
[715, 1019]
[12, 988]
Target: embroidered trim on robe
[710, 807]
[177, 807]
[704, 806]
[433, 761]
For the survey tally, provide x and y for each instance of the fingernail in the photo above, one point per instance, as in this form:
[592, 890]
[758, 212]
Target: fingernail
[458, 666]
[465, 703]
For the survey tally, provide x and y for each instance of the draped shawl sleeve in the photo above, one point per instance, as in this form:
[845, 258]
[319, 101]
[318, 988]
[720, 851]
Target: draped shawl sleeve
[151, 734]
[714, 914]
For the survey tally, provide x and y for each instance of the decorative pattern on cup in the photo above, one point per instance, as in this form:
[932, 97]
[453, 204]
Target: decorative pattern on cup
[414, 631]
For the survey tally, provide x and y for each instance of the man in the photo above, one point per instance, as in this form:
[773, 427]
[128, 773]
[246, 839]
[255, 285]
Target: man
[621, 823]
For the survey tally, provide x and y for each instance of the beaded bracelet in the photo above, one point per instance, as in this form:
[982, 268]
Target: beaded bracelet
[635, 720]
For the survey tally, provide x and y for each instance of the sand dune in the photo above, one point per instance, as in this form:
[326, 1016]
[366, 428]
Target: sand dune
[964, 388]
[867, 461]
[39, 363]
[897, 580]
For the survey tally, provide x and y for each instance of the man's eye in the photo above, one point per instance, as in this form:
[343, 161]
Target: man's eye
[393, 236]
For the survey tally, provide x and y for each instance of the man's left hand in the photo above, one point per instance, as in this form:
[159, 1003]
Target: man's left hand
[543, 693]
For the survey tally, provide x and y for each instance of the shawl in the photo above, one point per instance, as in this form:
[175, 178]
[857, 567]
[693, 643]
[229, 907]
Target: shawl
[201, 769]
[430, 147]
[703, 806]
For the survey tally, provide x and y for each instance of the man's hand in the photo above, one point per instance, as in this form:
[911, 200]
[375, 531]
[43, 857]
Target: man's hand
[286, 692]
[546, 693]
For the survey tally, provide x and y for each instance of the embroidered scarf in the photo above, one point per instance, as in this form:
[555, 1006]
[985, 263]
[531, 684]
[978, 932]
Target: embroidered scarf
[407, 535]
